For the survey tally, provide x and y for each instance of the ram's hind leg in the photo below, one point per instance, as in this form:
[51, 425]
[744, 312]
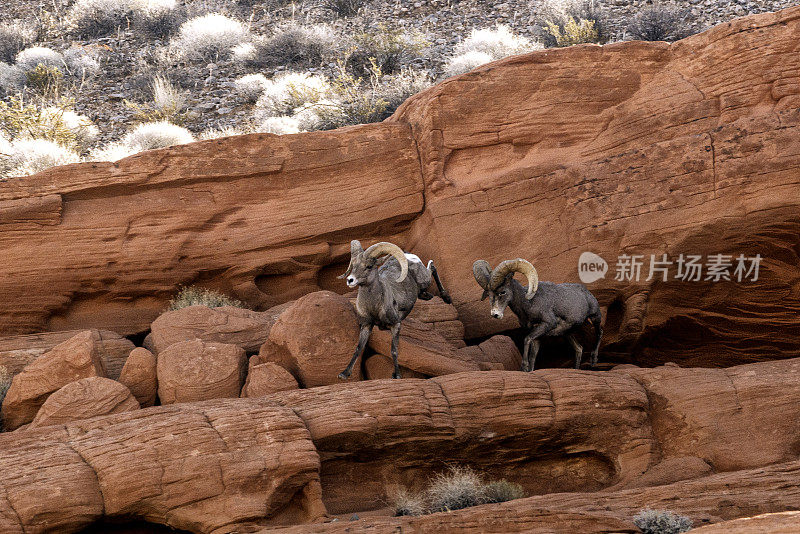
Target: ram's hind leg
[395, 342]
[578, 350]
[442, 291]
[598, 332]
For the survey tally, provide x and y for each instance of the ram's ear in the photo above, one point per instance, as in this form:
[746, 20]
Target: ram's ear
[485, 294]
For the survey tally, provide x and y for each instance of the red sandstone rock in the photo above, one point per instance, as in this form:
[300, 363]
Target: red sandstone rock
[85, 398]
[71, 360]
[196, 370]
[498, 351]
[422, 349]
[777, 523]
[236, 326]
[140, 377]
[210, 467]
[18, 351]
[380, 366]
[267, 378]
[314, 339]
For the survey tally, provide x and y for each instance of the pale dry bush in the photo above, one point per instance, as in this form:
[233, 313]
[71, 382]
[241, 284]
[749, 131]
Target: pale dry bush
[465, 62]
[29, 156]
[196, 296]
[498, 42]
[209, 36]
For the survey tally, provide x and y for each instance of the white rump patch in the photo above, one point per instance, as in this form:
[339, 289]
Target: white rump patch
[412, 257]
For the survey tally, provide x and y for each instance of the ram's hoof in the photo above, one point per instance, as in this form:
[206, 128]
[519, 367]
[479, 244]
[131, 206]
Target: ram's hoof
[396, 375]
[344, 376]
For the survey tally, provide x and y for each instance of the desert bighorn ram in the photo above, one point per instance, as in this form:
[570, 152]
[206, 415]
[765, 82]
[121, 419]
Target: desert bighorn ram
[389, 281]
[545, 309]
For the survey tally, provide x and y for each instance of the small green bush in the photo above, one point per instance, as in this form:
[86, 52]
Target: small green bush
[585, 19]
[388, 49]
[573, 32]
[196, 296]
[45, 79]
[168, 104]
[59, 123]
[661, 522]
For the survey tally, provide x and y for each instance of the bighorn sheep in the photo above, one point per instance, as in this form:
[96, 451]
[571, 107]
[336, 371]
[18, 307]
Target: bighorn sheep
[389, 281]
[545, 309]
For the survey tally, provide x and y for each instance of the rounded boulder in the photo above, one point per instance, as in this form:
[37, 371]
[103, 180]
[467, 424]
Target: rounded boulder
[85, 398]
[196, 370]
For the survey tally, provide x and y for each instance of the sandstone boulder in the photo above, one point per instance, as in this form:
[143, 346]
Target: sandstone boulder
[67, 362]
[85, 398]
[236, 326]
[207, 468]
[18, 351]
[423, 350]
[267, 378]
[314, 339]
[498, 351]
[380, 366]
[140, 377]
[196, 370]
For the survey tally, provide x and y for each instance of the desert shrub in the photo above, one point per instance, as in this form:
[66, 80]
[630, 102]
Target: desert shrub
[95, 18]
[160, 134]
[574, 20]
[5, 383]
[81, 63]
[466, 62]
[502, 491]
[168, 103]
[29, 156]
[289, 91]
[293, 44]
[342, 8]
[12, 79]
[659, 22]
[251, 86]
[661, 522]
[59, 124]
[111, 152]
[196, 296]
[157, 18]
[573, 32]
[209, 36]
[39, 55]
[14, 37]
[389, 49]
[497, 42]
[459, 487]
[406, 503]
[278, 125]
[45, 79]
[355, 100]
[225, 131]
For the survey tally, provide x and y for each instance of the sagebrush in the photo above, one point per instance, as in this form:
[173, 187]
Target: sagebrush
[457, 488]
[196, 296]
[661, 522]
[660, 22]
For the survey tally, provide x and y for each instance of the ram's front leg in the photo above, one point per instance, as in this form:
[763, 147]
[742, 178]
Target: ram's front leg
[532, 346]
[363, 337]
[395, 342]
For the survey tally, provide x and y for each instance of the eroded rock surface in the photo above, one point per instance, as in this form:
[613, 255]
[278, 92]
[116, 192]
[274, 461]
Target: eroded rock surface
[196, 370]
[67, 362]
[140, 376]
[85, 398]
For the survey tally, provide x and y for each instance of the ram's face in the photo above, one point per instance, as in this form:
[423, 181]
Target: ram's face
[500, 298]
[363, 271]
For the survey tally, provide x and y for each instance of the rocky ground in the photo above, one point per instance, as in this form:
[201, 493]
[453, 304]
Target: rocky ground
[130, 60]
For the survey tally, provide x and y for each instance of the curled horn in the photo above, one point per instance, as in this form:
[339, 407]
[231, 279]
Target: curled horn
[383, 248]
[481, 271]
[355, 248]
[515, 266]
